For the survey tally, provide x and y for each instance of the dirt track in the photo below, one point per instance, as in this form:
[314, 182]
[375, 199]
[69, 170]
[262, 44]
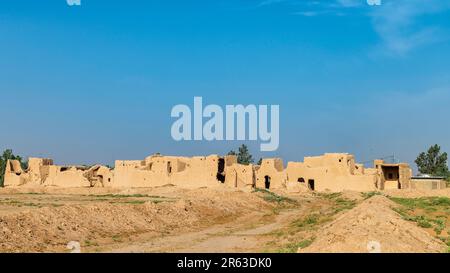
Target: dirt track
[243, 234]
[168, 219]
[153, 220]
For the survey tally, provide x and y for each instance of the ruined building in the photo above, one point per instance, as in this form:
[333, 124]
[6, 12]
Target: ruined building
[329, 172]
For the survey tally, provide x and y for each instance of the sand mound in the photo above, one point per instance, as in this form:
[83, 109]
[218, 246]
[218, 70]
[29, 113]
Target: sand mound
[373, 225]
[49, 229]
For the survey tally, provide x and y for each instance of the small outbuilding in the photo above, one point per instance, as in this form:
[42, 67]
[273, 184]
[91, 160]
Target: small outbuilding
[428, 182]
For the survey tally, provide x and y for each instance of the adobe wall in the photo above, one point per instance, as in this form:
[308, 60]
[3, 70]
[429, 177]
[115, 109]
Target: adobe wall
[329, 172]
[100, 176]
[405, 176]
[336, 164]
[42, 173]
[180, 171]
[273, 168]
[240, 176]
[393, 176]
[362, 183]
[71, 177]
[14, 175]
[428, 184]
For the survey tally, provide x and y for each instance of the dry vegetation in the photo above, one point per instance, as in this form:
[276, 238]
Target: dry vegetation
[429, 213]
[169, 219]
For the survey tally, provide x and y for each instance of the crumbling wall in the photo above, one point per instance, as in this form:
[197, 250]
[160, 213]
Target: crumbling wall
[42, 173]
[359, 169]
[14, 175]
[337, 164]
[393, 176]
[199, 172]
[330, 172]
[271, 174]
[240, 176]
[38, 170]
[160, 170]
[68, 177]
[300, 175]
[129, 174]
[405, 176]
[99, 176]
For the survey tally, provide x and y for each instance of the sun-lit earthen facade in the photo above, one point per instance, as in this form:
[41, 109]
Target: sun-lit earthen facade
[329, 172]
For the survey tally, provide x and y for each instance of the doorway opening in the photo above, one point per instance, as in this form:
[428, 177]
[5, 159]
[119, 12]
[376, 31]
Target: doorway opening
[221, 170]
[311, 184]
[391, 177]
[267, 182]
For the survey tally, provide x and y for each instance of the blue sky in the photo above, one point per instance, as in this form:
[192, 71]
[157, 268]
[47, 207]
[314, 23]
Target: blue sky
[96, 82]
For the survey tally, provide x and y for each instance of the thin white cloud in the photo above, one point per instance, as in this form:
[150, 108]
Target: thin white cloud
[311, 8]
[351, 3]
[396, 24]
[270, 2]
[394, 21]
[313, 13]
[307, 13]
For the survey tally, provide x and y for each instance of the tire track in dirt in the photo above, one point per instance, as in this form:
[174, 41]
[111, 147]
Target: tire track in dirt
[243, 235]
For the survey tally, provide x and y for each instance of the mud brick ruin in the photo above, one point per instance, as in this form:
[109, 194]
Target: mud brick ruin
[329, 172]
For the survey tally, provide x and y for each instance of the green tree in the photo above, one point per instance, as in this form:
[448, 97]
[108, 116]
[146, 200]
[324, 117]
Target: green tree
[433, 162]
[243, 156]
[260, 162]
[8, 155]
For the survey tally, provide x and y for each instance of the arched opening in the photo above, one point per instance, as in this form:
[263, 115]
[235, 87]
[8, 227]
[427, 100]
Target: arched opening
[221, 170]
[169, 167]
[311, 184]
[301, 180]
[267, 182]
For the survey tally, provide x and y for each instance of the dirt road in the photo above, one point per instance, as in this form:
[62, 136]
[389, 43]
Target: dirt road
[153, 220]
[170, 219]
[249, 233]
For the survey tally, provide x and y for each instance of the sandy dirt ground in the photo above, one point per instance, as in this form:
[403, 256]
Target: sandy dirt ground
[374, 226]
[418, 193]
[170, 219]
